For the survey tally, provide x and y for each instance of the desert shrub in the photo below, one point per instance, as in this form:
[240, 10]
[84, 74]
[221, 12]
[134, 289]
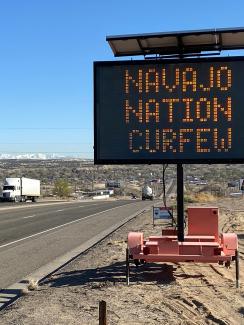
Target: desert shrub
[61, 188]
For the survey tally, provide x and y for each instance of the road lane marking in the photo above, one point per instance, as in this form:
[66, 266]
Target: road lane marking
[88, 205]
[40, 205]
[81, 206]
[60, 226]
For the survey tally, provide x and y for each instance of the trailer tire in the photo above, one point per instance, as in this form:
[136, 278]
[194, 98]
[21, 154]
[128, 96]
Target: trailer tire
[137, 262]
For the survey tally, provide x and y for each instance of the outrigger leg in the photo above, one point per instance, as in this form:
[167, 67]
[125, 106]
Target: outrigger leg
[237, 268]
[127, 266]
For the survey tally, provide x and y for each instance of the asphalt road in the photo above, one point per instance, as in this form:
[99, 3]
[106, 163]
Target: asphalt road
[34, 235]
[20, 223]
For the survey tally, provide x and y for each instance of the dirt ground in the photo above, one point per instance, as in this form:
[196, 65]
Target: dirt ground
[185, 293]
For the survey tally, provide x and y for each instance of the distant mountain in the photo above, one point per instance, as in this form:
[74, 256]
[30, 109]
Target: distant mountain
[40, 156]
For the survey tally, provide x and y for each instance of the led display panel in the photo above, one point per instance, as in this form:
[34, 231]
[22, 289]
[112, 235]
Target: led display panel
[189, 111]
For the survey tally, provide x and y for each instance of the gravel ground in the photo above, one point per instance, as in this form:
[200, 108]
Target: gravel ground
[184, 293]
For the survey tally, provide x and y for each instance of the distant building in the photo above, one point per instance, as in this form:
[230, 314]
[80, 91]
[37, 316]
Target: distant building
[113, 184]
[233, 184]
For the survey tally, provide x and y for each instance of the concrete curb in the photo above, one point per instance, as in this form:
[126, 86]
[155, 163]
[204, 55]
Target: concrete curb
[12, 293]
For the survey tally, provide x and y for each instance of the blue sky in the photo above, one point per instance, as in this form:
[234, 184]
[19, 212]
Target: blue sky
[47, 49]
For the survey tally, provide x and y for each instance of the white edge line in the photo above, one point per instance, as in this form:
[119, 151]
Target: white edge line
[60, 226]
[30, 216]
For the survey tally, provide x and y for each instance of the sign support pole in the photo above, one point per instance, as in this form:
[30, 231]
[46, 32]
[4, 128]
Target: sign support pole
[153, 216]
[180, 202]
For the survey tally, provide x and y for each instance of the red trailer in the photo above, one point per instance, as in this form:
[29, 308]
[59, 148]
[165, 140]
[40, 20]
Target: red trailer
[202, 243]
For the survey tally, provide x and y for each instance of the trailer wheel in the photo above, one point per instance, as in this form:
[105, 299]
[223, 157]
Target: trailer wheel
[227, 264]
[137, 262]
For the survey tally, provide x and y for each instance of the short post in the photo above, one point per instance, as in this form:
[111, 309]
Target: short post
[237, 268]
[127, 267]
[102, 312]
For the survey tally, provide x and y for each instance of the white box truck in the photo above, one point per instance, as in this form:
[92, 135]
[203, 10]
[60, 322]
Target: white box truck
[20, 189]
[147, 193]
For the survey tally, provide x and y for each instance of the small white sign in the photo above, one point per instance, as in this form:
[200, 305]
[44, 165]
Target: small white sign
[161, 213]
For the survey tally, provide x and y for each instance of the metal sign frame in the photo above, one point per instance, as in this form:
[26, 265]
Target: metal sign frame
[188, 42]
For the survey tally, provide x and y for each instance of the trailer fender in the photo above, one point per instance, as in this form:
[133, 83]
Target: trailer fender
[135, 242]
[229, 243]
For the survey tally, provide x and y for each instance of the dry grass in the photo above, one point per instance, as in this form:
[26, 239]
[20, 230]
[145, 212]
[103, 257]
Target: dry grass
[205, 197]
[199, 197]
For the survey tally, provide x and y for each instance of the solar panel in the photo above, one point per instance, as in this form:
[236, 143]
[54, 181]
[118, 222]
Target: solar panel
[175, 43]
